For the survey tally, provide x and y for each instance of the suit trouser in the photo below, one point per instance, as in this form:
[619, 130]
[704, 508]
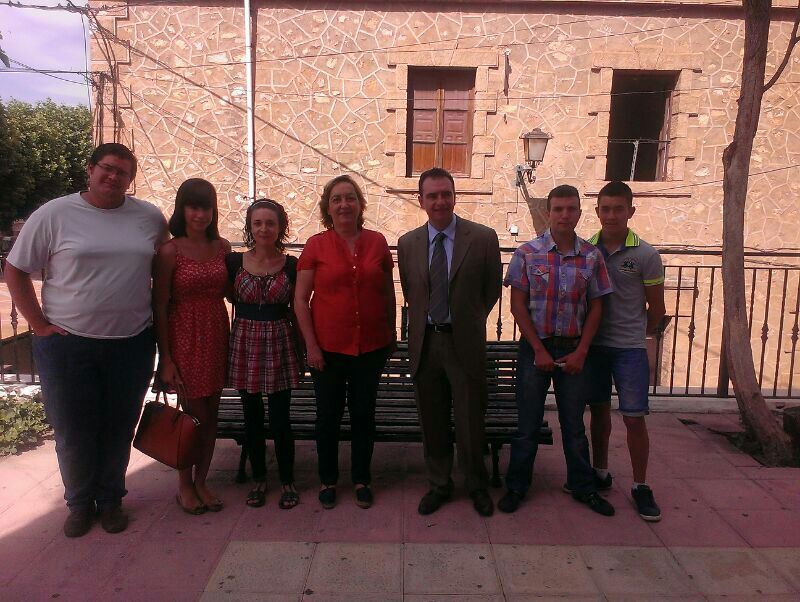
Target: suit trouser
[441, 382]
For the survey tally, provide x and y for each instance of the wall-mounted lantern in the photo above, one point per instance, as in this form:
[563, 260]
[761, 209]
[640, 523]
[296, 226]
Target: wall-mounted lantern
[535, 143]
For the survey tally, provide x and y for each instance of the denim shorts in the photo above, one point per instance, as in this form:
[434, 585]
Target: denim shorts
[630, 371]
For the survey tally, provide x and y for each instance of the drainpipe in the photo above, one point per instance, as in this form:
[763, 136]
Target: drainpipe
[251, 143]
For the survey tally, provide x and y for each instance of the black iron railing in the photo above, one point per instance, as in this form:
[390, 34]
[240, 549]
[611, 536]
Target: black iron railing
[686, 353]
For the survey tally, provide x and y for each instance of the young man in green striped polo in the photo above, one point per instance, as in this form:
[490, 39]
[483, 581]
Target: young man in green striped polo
[619, 349]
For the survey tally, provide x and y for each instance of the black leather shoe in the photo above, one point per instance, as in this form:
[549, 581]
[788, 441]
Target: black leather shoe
[79, 522]
[432, 501]
[595, 502]
[482, 502]
[510, 501]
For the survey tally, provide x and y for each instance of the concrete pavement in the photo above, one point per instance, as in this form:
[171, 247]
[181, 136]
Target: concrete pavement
[730, 531]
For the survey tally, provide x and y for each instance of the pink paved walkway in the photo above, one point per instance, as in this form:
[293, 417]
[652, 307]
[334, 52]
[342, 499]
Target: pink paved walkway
[731, 529]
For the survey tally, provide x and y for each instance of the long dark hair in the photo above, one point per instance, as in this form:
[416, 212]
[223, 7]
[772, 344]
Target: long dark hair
[283, 223]
[194, 192]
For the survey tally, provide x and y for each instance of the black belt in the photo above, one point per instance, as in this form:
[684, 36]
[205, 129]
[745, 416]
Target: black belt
[439, 327]
[261, 313]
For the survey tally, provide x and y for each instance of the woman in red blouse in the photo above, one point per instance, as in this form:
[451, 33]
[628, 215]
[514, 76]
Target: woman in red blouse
[349, 330]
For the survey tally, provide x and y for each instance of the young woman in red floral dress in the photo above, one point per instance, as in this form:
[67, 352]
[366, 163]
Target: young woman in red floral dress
[191, 321]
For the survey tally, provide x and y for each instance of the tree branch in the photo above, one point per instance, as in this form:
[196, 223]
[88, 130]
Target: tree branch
[793, 39]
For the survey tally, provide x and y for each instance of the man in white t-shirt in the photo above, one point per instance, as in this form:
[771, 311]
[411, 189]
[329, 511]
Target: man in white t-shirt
[93, 343]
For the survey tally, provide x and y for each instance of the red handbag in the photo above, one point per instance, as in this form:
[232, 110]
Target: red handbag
[167, 434]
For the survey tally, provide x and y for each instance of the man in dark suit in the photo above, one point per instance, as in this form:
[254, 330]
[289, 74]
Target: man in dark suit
[451, 276]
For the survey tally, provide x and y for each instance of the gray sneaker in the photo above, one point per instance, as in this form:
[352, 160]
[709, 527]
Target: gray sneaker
[646, 503]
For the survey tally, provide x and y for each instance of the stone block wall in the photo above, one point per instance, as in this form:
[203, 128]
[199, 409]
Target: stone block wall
[331, 97]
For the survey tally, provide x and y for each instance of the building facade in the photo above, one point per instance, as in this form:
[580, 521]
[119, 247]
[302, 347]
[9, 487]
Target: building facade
[643, 91]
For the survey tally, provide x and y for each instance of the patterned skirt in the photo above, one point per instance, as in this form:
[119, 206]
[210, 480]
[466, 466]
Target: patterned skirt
[264, 356]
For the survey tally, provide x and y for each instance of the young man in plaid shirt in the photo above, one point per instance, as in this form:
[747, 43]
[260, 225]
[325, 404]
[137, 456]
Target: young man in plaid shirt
[557, 283]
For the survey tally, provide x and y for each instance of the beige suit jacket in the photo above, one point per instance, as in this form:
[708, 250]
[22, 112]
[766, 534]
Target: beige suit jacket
[475, 285]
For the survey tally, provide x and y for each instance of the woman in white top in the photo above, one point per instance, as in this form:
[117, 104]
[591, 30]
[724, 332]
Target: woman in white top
[93, 342]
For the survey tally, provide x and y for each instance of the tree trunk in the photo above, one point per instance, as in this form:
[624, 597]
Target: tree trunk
[736, 165]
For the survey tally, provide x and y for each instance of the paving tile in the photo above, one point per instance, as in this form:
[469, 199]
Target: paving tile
[699, 465]
[765, 528]
[546, 598]
[165, 565]
[270, 523]
[312, 596]
[543, 570]
[653, 598]
[756, 598]
[174, 523]
[768, 472]
[63, 564]
[786, 561]
[38, 593]
[383, 523]
[449, 569]
[459, 598]
[624, 528]
[34, 516]
[786, 491]
[687, 519]
[539, 522]
[149, 484]
[17, 553]
[389, 458]
[135, 595]
[262, 567]
[743, 495]
[637, 571]
[740, 459]
[730, 571]
[345, 568]
[231, 596]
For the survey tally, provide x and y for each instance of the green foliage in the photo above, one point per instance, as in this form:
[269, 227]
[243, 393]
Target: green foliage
[22, 421]
[44, 149]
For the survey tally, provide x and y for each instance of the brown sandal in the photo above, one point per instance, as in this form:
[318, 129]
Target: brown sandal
[289, 498]
[258, 496]
[200, 509]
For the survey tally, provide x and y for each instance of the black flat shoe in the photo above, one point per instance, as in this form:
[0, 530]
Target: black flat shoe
[327, 497]
[364, 497]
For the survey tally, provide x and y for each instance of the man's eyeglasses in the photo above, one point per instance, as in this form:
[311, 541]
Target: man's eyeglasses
[116, 171]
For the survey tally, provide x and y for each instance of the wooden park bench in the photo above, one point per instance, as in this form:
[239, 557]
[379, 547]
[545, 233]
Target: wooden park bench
[396, 413]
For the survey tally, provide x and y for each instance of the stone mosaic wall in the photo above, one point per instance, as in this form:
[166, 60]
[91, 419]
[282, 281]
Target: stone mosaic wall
[331, 98]
[331, 89]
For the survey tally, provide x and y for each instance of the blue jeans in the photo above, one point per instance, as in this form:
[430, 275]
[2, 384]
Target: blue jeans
[93, 391]
[532, 385]
[631, 372]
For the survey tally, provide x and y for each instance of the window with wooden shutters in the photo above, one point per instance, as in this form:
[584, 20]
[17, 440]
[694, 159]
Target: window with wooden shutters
[440, 107]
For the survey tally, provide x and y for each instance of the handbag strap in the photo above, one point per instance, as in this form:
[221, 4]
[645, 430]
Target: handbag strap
[180, 397]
